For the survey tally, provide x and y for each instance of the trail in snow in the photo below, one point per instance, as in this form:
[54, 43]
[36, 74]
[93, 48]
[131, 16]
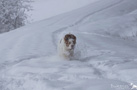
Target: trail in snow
[85, 17]
[79, 22]
[103, 61]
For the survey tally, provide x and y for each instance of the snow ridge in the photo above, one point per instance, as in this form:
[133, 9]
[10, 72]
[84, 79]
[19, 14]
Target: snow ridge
[105, 52]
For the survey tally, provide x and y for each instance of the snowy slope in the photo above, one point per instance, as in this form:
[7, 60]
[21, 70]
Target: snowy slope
[105, 54]
[43, 9]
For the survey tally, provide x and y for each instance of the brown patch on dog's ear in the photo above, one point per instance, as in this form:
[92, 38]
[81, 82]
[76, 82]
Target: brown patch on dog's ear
[66, 38]
[74, 37]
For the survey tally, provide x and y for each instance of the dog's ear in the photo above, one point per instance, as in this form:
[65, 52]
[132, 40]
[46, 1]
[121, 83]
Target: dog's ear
[66, 38]
[74, 37]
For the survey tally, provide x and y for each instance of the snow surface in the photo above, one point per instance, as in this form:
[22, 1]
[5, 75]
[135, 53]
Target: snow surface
[105, 54]
[43, 9]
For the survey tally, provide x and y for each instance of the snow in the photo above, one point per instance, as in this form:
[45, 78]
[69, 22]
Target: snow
[43, 9]
[105, 52]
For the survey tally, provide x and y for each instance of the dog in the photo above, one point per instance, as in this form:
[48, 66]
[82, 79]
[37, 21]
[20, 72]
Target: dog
[66, 46]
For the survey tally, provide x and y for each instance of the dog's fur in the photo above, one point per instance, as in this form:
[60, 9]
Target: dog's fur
[66, 46]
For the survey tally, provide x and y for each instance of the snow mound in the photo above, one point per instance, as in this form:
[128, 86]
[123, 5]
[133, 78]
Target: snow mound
[106, 50]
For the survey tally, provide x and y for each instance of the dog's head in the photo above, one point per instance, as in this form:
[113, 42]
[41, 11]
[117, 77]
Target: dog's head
[70, 41]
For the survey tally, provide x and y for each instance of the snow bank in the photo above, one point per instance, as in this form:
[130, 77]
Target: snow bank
[105, 61]
[43, 9]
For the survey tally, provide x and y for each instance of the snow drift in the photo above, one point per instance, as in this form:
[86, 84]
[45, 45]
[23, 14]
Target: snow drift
[106, 50]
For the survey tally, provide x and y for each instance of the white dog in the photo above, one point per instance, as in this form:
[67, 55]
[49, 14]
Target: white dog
[66, 46]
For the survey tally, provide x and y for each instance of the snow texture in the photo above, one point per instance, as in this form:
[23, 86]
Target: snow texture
[106, 50]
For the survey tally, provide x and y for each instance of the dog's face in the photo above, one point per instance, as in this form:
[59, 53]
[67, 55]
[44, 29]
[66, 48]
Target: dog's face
[70, 41]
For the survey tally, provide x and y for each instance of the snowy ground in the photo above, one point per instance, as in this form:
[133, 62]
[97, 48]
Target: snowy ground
[105, 53]
[43, 9]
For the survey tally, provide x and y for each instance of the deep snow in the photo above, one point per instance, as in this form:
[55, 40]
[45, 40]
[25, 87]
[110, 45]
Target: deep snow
[105, 53]
[43, 9]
